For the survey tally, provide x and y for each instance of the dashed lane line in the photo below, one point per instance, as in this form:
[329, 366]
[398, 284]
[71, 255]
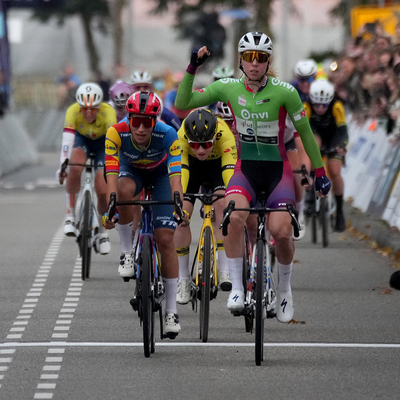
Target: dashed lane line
[18, 328]
[52, 367]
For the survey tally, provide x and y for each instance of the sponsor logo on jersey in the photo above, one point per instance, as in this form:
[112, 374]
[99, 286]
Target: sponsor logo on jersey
[201, 90]
[175, 149]
[227, 150]
[110, 148]
[241, 101]
[250, 131]
[228, 80]
[175, 164]
[300, 115]
[247, 115]
[277, 82]
[109, 163]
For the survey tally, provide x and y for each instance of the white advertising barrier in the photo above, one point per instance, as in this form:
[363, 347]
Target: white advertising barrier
[16, 147]
[368, 151]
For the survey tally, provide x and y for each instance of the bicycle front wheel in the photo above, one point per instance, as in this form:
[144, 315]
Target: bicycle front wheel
[205, 284]
[86, 236]
[260, 302]
[147, 296]
[324, 217]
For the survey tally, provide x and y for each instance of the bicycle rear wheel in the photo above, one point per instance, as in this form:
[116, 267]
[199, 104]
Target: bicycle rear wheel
[147, 296]
[86, 235]
[205, 284]
[260, 304]
[324, 217]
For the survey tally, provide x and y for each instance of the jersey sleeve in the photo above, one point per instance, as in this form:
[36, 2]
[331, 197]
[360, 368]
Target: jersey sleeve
[185, 151]
[171, 144]
[112, 147]
[70, 118]
[227, 147]
[170, 118]
[341, 137]
[298, 115]
[110, 116]
[187, 99]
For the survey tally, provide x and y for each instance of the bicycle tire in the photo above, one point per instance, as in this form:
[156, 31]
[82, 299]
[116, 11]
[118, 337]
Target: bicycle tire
[86, 232]
[147, 296]
[259, 337]
[323, 213]
[248, 317]
[205, 285]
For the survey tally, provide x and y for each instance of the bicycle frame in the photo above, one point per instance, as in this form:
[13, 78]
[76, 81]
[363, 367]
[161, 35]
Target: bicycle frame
[147, 229]
[206, 222]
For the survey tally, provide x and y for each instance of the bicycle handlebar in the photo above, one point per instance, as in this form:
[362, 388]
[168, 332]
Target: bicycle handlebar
[305, 177]
[64, 166]
[231, 207]
[113, 203]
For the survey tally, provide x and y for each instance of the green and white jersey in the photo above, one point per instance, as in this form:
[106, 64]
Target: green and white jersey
[259, 117]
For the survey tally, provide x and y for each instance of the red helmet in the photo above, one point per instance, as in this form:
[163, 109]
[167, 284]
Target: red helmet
[144, 103]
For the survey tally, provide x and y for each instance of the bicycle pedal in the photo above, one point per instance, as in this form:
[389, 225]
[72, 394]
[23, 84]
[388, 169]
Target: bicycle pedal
[237, 313]
[170, 335]
[134, 303]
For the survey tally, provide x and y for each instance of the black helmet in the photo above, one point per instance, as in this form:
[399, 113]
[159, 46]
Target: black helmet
[200, 125]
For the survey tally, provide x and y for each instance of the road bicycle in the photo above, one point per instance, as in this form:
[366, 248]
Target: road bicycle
[260, 288]
[149, 290]
[204, 268]
[87, 225]
[321, 211]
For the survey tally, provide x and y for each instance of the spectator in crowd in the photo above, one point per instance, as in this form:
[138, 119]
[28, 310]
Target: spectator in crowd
[4, 94]
[67, 83]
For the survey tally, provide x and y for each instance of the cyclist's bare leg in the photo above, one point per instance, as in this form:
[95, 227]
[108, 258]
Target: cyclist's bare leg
[126, 190]
[334, 167]
[169, 267]
[223, 264]
[73, 185]
[234, 242]
[100, 187]
[234, 247]
[295, 163]
[280, 227]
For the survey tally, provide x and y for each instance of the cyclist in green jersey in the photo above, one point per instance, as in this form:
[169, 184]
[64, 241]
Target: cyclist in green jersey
[259, 104]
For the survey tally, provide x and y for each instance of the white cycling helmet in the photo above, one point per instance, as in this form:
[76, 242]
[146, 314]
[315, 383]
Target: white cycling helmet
[222, 72]
[89, 95]
[141, 77]
[119, 93]
[306, 68]
[321, 91]
[255, 41]
[223, 111]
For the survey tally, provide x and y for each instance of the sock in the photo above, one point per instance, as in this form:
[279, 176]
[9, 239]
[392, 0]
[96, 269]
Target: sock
[183, 260]
[171, 288]
[223, 265]
[284, 273]
[236, 272]
[135, 235]
[125, 237]
[339, 203]
[300, 208]
[102, 229]
[70, 204]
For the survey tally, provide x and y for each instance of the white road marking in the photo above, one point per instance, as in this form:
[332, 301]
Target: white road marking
[200, 344]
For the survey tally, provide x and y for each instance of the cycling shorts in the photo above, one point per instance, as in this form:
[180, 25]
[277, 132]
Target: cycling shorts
[332, 155]
[291, 145]
[91, 146]
[201, 172]
[275, 178]
[163, 214]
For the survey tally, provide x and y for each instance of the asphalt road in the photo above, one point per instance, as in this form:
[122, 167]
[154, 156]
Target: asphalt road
[61, 338]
